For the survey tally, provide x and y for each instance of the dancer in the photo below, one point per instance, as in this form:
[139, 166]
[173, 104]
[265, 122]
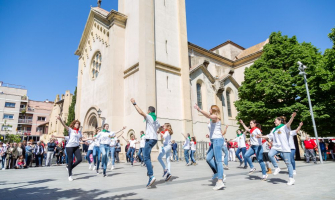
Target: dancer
[132, 148]
[256, 147]
[112, 149]
[292, 146]
[105, 139]
[266, 149]
[96, 151]
[187, 148]
[241, 147]
[91, 144]
[166, 150]
[193, 145]
[225, 150]
[279, 135]
[215, 150]
[152, 126]
[140, 151]
[231, 150]
[72, 146]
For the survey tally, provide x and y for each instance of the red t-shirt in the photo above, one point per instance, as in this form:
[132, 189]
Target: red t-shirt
[309, 144]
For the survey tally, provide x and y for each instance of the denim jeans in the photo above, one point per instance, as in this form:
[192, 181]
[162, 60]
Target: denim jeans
[104, 149]
[89, 152]
[66, 160]
[192, 156]
[324, 155]
[3, 161]
[287, 160]
[215, 151]
[292, 158]
[39, 160]
[258, 150]
[112, 151]
[175, 154]
[96, 156]
[166, 151]
[130, 154]
[243, 150]
[28, 159]
[139, 154]
[186, 155]
[149, 144]
[226, 154]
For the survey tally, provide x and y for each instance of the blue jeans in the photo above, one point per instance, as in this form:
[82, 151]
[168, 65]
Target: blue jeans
[258, 150]
[104, 149]
[324, 154]
[192, 156]
[39, 160]
[96, 156]
[149, 144]
[215, 151]
[292, 158]
[89, 152]
[186, 155]
[287, 160]
[130, 154]
[166, 151]
[243, 150]
[139, 154]
[112, 151]
[3, 160]
[175, 154]
[225, 150]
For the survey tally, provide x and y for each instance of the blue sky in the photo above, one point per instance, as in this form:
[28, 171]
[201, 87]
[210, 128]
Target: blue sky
[38, 38]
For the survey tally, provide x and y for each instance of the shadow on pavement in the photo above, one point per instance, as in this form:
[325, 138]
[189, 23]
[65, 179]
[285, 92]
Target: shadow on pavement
[276, 180]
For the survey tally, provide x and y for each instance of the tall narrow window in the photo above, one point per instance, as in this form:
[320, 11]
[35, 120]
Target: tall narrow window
[166, 46]
[167, 82]
[199, 96]
[228, 103]
[96, 65]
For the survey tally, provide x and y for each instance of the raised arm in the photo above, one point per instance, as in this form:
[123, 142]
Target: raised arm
[299, 127]
[61, 121]
[58, 136]
[245, 127]
[183, 135]
[120, 130]
[288, 124]
[225, 130]
[138, 108]
[124, 139]
[119, 135]
[206, 114]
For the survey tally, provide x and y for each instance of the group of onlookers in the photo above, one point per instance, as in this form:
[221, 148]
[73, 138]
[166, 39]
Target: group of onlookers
[326, 147]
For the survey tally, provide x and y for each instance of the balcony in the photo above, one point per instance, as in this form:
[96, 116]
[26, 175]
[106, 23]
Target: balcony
[30, 109]
[25, 121]
[24, 98]
[23, 132]
[22, 110]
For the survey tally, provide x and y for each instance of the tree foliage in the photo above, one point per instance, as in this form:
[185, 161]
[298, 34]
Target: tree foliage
[273, 86]
[71, 112]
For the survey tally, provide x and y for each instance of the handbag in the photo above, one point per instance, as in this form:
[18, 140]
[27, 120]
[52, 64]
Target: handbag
[118, 149]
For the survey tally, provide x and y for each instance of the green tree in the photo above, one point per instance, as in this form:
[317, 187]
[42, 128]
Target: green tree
[272, 86]
[71, 115]
[10, 137]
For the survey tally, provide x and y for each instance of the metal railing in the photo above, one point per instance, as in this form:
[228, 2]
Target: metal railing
[26, 121]
[200, 154]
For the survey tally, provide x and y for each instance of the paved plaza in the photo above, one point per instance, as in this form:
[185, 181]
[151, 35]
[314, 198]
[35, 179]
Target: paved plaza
[192, 182]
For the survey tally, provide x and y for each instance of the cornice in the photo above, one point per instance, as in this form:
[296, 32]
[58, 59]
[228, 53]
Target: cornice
[168, 68]
[131, 70]
[204, 70]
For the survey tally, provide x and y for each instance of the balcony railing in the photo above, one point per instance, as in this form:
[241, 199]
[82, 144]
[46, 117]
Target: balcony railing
[26, 121]
[24, 98]
[22, 109]
[30, 109]
[23, 132]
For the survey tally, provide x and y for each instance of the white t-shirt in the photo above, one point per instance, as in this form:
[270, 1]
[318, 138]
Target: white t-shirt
[105, 137]
[240, 141]
[291, 140]
[73, 138]
[91, 144]
[132, 143]
[151, 128]
[193, 146]
[167, 138]
[187, 144]
[142, 143]
[253, 139]
[113, 142]
[215, 130]
[96, 142]
[280, 139]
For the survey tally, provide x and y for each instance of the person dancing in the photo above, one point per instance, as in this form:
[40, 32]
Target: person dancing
[152, 126]
[214, 154]
[241, 147]
[193, 145]
[186, 147]
[96, 151]
[292, 146]
[132, 148]
[166, 150]
[140, 151]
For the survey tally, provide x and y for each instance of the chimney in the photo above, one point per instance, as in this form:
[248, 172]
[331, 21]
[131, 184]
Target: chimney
[47, 100]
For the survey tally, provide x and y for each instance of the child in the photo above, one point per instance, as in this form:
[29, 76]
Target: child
[20, 163]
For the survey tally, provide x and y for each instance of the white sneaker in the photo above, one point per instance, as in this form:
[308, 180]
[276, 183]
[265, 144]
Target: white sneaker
[224, 177]
[276, 172]
[94, 168]
[218, 186]
[294, 172]
[108, 163]
[252, 170]
[90, 166]
[70, 178]
[112, 167]
[291, 181]
[3, 169]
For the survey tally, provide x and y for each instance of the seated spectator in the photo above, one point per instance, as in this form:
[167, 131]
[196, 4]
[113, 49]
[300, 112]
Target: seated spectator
[20, 163]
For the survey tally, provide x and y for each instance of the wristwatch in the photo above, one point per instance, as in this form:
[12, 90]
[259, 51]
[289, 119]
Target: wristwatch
[134, 104]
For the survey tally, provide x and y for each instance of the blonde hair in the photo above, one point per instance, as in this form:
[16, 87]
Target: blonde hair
[169, 128]
[216, 111]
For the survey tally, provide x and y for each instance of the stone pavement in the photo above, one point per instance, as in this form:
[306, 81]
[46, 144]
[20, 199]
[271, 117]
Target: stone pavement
[192, 182]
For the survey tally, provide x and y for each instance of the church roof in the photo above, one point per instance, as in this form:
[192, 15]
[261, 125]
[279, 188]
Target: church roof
[225, 43]
[101, 11]
[251, 50]
[228, 76]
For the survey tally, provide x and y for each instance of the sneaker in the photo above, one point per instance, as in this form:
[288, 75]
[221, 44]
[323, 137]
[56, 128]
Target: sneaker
[291, 181]
[112, 167]
[165, 172]
[226, 167]
[94, 168]
[98, 172]
[215, 176]
[264, 177]
[188, 164]
[152, 179]
[168, 176]
[218, 186]
[108, 163]
[276, 172]
[3, 169]
[67, 169]
[245, 167]
[252, 171]
[70, 178]
[194, 164]
[224, 177]
[90, 166]
[315, 163]
[105, 175]
[241, 163]
[294, 172]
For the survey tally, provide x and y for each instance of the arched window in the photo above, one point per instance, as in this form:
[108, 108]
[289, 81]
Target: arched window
[96, 65]
[228, 103]
[199, 96]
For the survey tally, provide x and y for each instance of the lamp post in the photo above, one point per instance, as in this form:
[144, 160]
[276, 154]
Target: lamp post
[303, 73]
[103, 119]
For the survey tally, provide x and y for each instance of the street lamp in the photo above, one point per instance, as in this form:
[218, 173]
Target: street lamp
[303, 73]
[103, 119]
[99, 112]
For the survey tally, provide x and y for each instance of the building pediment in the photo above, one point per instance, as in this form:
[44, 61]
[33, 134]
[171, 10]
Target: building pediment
[204, 69]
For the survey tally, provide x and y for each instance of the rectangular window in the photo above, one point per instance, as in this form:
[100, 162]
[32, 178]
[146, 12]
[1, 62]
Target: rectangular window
[28, 128]
[9, 105]
[199, 96]
[22, 106]
[40, 118]
[6, 127]
[228, 104]
[8, 116]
